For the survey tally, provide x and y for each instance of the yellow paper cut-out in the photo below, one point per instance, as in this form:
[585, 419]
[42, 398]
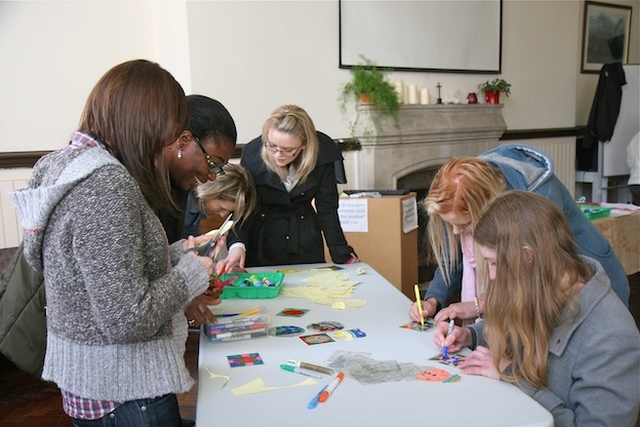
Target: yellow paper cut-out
[213, 376]
[257, 386]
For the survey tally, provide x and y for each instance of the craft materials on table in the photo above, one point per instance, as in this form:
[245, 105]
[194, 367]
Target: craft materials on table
[451, 360]
[247, 359]
[293, 312]
[366, 370]
[435, 375]
[286, 331]
[327, 287]
[248, 324]
[311, 366]
[326, 326]
[296, 370]
[416, 326]
[316, 339]
[258, 386]
[252, 285]
[336, 381]
[316, 399]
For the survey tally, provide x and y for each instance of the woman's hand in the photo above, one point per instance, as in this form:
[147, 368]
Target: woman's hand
[236, 258]
[460, 310]
[455, 341]
[428, 309]
[479, 362]
[352, 260]
[198, 312]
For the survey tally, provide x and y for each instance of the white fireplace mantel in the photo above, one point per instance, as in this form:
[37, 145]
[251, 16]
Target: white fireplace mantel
[426, 136]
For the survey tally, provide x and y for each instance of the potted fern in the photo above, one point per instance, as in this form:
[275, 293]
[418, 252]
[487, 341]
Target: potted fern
[369, 85]
[493, 88]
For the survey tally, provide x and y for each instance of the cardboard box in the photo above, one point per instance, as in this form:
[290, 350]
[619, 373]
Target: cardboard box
[385, 245]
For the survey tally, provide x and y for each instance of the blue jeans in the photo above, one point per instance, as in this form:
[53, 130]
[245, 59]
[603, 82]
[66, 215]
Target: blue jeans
[162, 411]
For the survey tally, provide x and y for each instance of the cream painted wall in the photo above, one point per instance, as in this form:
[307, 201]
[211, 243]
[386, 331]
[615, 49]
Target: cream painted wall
[52, 54]
[256, 55]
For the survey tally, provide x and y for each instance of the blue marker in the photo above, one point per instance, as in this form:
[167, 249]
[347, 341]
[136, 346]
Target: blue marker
[445, 349]
[315, 400]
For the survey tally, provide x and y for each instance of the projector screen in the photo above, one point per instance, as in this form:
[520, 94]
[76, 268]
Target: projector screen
[456, 36]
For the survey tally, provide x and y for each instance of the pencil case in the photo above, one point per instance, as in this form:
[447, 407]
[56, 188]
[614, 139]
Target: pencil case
[239, 324]
[252, 285]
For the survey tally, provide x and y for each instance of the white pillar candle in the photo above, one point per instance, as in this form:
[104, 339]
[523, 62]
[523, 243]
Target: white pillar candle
[413, 94]
[424, 96]
[400, 90]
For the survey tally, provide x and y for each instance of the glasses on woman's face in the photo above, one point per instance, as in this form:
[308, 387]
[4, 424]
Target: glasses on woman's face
[287, 152]
[213, 168]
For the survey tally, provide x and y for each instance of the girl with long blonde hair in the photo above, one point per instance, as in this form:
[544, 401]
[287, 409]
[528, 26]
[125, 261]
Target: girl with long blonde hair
[548, 312]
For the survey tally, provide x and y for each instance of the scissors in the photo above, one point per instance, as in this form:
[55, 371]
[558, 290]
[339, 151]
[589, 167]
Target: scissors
[205, 248]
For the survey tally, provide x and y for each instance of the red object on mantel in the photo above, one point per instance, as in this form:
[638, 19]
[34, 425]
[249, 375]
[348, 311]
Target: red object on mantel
[472, 98]
[492, 97]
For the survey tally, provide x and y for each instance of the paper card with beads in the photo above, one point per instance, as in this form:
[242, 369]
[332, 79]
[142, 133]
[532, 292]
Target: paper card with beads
[416, 326]
[450, 359]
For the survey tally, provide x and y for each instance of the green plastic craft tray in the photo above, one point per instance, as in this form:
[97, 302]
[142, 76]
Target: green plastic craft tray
[595, 212]
[238, 288]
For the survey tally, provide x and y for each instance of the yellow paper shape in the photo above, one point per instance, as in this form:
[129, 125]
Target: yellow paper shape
[257, 386]
[213, 376]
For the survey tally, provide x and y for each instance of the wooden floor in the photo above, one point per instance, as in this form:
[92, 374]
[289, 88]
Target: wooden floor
[26, 401]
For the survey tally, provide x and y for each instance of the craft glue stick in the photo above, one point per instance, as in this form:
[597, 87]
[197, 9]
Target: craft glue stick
[311, 366]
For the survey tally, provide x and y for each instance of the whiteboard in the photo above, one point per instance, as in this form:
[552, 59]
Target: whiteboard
[447, 36]
[614, 155]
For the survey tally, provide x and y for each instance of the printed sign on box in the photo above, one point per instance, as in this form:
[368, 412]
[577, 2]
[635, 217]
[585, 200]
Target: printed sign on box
[353, 214]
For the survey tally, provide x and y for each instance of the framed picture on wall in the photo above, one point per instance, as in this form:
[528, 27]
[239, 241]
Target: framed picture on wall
[605, 37]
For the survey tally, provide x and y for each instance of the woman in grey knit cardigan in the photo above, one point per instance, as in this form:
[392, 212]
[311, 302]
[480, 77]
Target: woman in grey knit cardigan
[115, 288]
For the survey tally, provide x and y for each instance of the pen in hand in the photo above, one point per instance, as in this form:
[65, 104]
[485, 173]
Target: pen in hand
[445, 349]
[419, 303]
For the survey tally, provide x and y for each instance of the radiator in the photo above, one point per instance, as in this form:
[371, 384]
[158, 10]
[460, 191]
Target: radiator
[563, 153]
[10, 229]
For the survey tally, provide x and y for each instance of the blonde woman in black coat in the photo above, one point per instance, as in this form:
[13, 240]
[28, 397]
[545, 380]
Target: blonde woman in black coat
[292, 166]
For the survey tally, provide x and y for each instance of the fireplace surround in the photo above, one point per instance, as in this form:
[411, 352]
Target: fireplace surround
[394, 154]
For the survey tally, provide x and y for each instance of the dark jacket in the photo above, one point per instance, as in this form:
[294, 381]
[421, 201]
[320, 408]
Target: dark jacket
[606, 105]
[285, 228]
[23, 322]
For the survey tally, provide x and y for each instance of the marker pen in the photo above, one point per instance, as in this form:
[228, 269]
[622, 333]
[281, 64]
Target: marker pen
[311, 366]
[337, 380]
[299, 371]
[445, 349]
[314, 401]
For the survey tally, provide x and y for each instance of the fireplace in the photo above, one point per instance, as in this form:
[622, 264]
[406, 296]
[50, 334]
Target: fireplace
[408, 155]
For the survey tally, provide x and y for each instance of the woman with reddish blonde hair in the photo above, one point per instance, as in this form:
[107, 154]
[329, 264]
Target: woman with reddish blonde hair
[460, 191]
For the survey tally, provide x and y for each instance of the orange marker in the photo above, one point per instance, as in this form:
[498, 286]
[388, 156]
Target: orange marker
[325, 394]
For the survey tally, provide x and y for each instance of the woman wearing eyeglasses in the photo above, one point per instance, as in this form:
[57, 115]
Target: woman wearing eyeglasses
[292, 166]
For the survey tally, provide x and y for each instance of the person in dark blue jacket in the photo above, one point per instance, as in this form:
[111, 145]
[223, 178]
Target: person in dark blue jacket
[459, 193]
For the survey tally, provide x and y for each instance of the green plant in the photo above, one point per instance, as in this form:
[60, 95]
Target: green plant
[496, 85]
[367, 79]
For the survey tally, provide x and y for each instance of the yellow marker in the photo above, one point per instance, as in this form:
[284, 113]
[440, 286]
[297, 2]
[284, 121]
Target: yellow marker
[419, 303]
[250, 312]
